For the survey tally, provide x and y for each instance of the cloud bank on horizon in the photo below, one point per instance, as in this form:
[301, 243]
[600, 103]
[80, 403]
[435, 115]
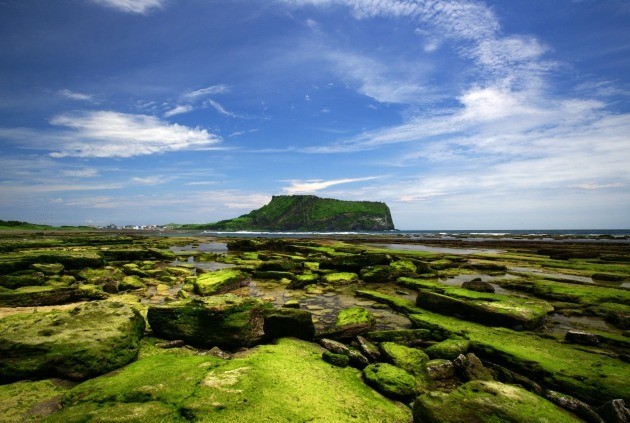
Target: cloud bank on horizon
[458, 114]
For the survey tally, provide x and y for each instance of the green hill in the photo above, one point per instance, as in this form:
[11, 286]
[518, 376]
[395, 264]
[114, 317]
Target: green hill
[309, 213]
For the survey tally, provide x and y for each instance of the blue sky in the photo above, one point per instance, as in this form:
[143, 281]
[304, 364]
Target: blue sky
[458, 114]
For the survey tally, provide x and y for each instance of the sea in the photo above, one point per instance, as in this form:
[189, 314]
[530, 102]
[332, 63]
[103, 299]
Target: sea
[587, 235]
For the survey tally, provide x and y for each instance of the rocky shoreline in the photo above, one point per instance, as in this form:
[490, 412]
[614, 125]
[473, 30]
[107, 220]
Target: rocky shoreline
[109, 326]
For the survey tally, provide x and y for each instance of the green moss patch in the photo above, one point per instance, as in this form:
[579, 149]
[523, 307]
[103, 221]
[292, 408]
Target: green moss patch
[487, 402]
[89, 340]
[219, 281]
[591, 376]
[28, 401]
[280, 382]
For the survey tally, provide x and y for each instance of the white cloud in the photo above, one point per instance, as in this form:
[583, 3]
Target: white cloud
[375, 79]
[81, 173]
[313, 185]
[113, 134]
[211, 90]
[150, 180]
[178, 110]
[132, 6]
[74, 95]
[219, 108]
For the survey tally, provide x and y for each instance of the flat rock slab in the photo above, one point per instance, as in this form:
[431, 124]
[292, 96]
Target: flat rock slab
[86, 341]
[226, 321]
[285, 382]
[488, 401]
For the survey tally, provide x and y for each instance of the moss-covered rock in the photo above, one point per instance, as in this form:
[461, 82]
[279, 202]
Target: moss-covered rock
[89, 340]
[288, 322]
[129, 283]
[400, 336]
[340, 278]
[28, 401]
[285, 382]
[339, 360]
[219, 281]
[354, 262]
[390, 381]
[49, 295]
[487, 401]
[587, 375]
[353, 321]
[301, 281]
[411, 360]
[226, 320]
[379, 274]
[48, 268]
[21, 280]
[448, 349]
[273, 274]
[489, 309]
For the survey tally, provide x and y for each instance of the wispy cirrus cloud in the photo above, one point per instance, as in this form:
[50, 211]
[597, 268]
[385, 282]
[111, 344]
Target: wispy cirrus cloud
[75, 95]
[132, 6]
[178, 110]
[200, 98]
[204, 92]
[314, 185]
[113, 134]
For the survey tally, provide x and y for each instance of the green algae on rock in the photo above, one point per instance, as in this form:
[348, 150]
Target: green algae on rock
[33, 296]
[448, 349]
[288, 322]
[409, 359]
[340, 278]
[219, 281]
[89, 340]
[391, 381]
[226, 321]
[587, 375]
[31, 401]
[281, 382]
[487, 402]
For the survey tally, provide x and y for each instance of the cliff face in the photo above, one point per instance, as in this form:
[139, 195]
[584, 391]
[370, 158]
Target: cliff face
[311, 213]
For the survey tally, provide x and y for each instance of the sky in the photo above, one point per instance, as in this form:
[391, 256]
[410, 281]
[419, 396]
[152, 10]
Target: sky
[459, 114]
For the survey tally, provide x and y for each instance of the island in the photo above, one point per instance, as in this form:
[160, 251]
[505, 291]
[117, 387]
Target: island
[308, 213]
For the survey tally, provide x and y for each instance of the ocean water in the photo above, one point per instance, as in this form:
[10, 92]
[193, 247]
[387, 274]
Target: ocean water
[608, 235]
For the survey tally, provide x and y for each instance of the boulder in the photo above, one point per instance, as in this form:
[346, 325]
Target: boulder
[614, 411]
[129, 283]
[48, 268]
[411, 360]
[338, 360]
[227, 321]
[581, 337]
[449, 349]
[351, 322]
[341, 278]
[379, 274]
[48, 295]
[273, 274]
[487, 402]
[86, 341]
[356, 359]
[478, 285]
[574, 405]
[283, 322]
[471, 367]
[440, 369]
[400, 336]
[219, 281]
[368, 349]
[390, 381]
[301, 281]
